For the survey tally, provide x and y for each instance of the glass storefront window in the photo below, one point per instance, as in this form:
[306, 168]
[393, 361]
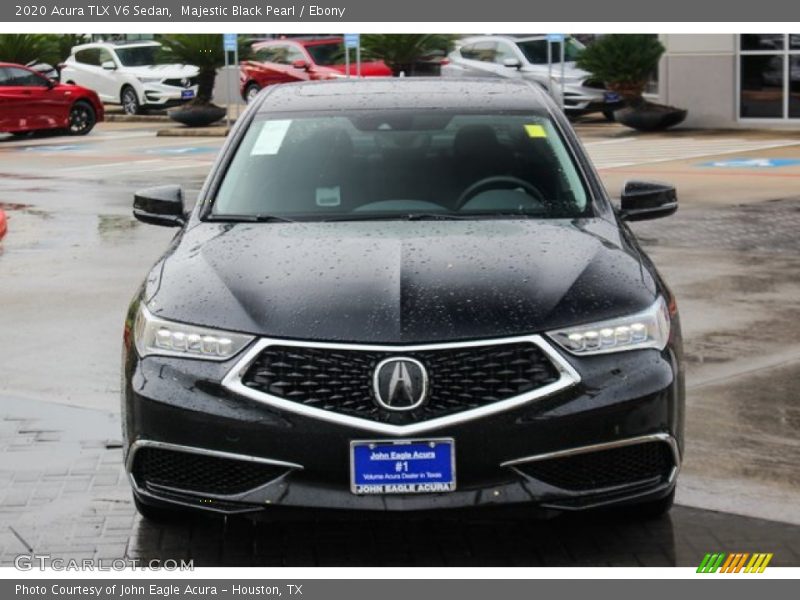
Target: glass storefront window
[794, 86]
[769, 76]
[762, 41]
[761, 78]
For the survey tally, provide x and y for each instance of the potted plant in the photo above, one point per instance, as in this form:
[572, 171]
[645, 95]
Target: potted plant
[206, 52]
[624, 62]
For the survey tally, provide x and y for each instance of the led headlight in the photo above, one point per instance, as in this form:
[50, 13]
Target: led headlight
[647, 329]
[149, 79]
[154, 336]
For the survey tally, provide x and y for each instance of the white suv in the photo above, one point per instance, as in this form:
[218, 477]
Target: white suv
[127, 73]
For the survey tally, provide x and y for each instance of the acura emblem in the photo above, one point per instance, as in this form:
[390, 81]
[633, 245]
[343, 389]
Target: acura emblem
[187, 83]
[400, 384]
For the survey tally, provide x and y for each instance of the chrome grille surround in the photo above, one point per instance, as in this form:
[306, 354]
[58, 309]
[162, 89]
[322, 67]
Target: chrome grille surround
[567, 377]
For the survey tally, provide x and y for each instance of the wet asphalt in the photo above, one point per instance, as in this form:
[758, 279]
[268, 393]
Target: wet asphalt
[74, 257]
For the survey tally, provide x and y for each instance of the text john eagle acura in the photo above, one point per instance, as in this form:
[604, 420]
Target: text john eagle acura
[403, 295]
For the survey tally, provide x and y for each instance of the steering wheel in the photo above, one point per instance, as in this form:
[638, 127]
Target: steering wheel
[503, 182]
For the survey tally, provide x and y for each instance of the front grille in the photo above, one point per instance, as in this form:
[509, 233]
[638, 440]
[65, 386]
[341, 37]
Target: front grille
[340, 380]
[626, 465]
[180, 82]
[200, 473]
[594, 83]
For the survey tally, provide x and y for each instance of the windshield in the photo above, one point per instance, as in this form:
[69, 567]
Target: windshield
[401, 165]
[138, 56]
[326, 54]
[536, 51]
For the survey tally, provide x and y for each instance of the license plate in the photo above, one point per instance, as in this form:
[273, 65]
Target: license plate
[187, 94]
[611, 97]
[402, 466]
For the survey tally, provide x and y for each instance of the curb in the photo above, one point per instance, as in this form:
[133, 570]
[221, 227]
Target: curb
[115, 118]
[220, 131]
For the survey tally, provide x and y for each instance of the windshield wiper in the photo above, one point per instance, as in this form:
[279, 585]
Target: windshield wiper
[250, 219]
[399, 217]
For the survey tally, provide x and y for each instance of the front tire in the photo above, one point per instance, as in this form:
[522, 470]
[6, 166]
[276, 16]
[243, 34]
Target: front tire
[82, 118]
[130, 101]
[609, 115]
[250, 92]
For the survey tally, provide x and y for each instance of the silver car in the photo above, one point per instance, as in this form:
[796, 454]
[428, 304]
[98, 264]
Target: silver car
[527, 57]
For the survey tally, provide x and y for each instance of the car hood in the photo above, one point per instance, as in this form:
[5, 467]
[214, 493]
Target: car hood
[164, 71]
[399, 282]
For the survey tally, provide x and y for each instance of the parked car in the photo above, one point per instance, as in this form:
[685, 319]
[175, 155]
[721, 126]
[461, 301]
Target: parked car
[129, 73]
[397, 295]
[29, 101]
[297, 59]
[527, 58]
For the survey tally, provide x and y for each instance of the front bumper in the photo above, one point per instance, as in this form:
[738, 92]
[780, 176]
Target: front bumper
[622, 400]
[580, 98]
[159, 94]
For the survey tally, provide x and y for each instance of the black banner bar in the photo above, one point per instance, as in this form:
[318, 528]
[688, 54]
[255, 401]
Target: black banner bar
[472, 11]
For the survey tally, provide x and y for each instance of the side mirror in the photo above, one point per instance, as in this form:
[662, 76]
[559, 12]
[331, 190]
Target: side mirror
[109, 65]
[512, 63]
[301, 64]
[642, 201]
[161, 205]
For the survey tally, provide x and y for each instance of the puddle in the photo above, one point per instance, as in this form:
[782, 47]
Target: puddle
[28, 209]
[112, 227]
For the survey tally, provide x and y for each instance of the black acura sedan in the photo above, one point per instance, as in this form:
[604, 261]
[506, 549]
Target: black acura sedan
[399, 295]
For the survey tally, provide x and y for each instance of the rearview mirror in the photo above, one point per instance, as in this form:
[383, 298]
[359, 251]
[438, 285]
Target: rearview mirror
[511, 63]
[300, 64]
[162, 205]
[643, 200]
[109, 65]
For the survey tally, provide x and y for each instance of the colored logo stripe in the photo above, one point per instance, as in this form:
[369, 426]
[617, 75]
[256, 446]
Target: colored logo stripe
[734, 563]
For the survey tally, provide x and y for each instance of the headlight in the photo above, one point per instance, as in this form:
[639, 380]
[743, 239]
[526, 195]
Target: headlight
[149, 79]
[154, 336]
[647, 329]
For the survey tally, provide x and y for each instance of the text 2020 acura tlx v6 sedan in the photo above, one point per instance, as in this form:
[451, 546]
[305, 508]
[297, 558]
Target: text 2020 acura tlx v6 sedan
[403, 295]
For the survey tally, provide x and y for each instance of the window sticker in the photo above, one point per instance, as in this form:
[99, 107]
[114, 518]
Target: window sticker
[329, 196]
[535, 131]
[270, 137]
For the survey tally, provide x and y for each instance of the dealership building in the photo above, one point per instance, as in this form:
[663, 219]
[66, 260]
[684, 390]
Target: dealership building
[726, 80]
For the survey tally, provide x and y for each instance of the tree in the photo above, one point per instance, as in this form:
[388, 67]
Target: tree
[624, 62]
[22, 48]
[204, 50]
[402, 51]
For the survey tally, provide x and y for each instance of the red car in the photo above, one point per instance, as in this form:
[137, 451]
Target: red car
[32, 102]
[297, 59]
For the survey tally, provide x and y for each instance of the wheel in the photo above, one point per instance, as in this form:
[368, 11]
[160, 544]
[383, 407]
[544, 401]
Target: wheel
[160, 514]
[251, 91]
[655, 508]
[82, 118]
[130, 101]
[609, 115]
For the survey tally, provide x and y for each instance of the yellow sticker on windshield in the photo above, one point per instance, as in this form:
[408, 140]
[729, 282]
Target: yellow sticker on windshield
[535, 131]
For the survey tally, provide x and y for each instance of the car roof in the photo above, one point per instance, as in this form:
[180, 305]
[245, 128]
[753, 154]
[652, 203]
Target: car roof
[119, 44]
[405, 93]
[8, 64]
[302, 41]
[508, 37]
